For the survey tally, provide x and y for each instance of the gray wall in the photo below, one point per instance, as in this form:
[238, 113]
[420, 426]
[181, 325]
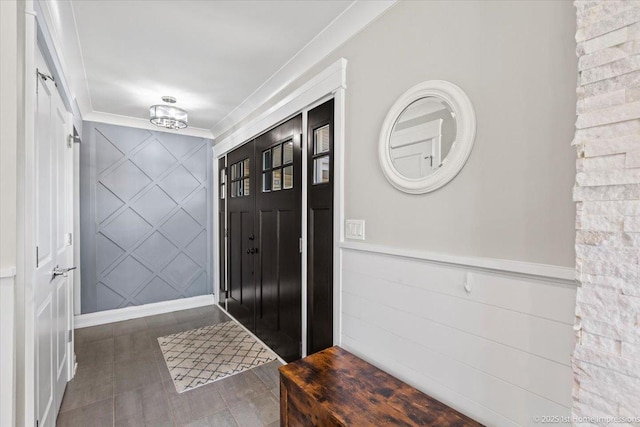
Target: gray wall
[145, 215]
[516, 61]
[9, 119]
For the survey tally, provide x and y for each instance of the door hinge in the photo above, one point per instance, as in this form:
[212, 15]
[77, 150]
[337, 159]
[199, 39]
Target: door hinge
[73, 138]
[37, 423]
[37, 257]
[70, 335]
[226, 232]
[44, 77]
[300, 245]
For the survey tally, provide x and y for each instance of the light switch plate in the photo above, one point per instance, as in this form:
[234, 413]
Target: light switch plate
[354, 229]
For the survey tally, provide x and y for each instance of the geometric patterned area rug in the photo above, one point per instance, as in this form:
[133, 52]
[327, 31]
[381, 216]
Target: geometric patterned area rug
[202, 356]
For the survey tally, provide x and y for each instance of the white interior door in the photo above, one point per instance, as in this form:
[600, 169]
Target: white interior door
[54, 222]
[416, 151]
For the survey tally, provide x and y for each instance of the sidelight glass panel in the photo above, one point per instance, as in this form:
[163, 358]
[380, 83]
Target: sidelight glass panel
[266, 160]
[321, 140]
[222, 190]
[288, 177]
[277, 180]
[223, 176]
[247, 187]
[277, 156]
[287, 152]
[266, 182]
[246, 169]
[321, 170]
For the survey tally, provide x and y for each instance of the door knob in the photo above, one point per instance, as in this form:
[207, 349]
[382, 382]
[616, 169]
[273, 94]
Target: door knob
[57, 271]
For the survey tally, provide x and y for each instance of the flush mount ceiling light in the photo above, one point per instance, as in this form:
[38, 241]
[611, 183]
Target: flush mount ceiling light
[167, 115]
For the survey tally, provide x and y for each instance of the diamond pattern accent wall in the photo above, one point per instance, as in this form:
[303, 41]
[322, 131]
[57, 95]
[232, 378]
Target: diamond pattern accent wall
[150, 209]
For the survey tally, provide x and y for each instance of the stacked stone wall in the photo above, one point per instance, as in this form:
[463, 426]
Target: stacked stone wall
[606, 361]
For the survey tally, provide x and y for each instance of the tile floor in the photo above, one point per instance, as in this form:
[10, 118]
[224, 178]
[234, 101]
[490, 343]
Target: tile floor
[122, 380]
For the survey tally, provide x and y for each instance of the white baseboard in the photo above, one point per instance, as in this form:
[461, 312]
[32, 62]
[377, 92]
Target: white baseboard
[120, 314]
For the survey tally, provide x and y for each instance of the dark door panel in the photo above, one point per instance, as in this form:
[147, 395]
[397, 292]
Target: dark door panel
[264, 205]
[241, 298]
[279, 225]
[268, 284]
[320, 228]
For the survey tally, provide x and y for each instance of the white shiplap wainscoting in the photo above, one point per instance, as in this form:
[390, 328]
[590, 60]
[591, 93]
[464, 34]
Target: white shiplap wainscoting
[7, 346]
[494, 344]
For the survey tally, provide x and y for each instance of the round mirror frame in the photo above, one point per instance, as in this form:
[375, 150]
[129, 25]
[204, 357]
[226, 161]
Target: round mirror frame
[465, 117]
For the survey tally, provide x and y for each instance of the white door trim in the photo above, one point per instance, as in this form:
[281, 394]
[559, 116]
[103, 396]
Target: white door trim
[26, 256]
[329, 83]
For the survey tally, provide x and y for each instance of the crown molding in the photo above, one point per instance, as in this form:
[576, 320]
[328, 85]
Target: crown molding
[135, 122]
[329, 80]
[355, 18]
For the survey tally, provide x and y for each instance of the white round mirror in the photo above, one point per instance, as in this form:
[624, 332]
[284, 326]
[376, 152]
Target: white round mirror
[427, 137]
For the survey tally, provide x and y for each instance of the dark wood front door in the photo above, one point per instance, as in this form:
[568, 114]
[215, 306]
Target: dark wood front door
[278, 221]
[241, 291]
[264, 207]
[320, 228]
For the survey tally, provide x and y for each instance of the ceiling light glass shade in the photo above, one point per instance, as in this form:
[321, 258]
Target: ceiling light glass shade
[168, 116]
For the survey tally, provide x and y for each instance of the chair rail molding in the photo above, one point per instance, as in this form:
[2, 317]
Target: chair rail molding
[561, 275]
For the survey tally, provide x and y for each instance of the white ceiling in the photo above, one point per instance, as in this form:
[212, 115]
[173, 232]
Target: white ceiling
[210, 55]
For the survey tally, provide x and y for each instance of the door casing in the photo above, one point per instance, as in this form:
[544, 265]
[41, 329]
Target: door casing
[328, 84]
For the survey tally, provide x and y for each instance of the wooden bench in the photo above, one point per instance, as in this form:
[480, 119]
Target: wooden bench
[336, 388]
